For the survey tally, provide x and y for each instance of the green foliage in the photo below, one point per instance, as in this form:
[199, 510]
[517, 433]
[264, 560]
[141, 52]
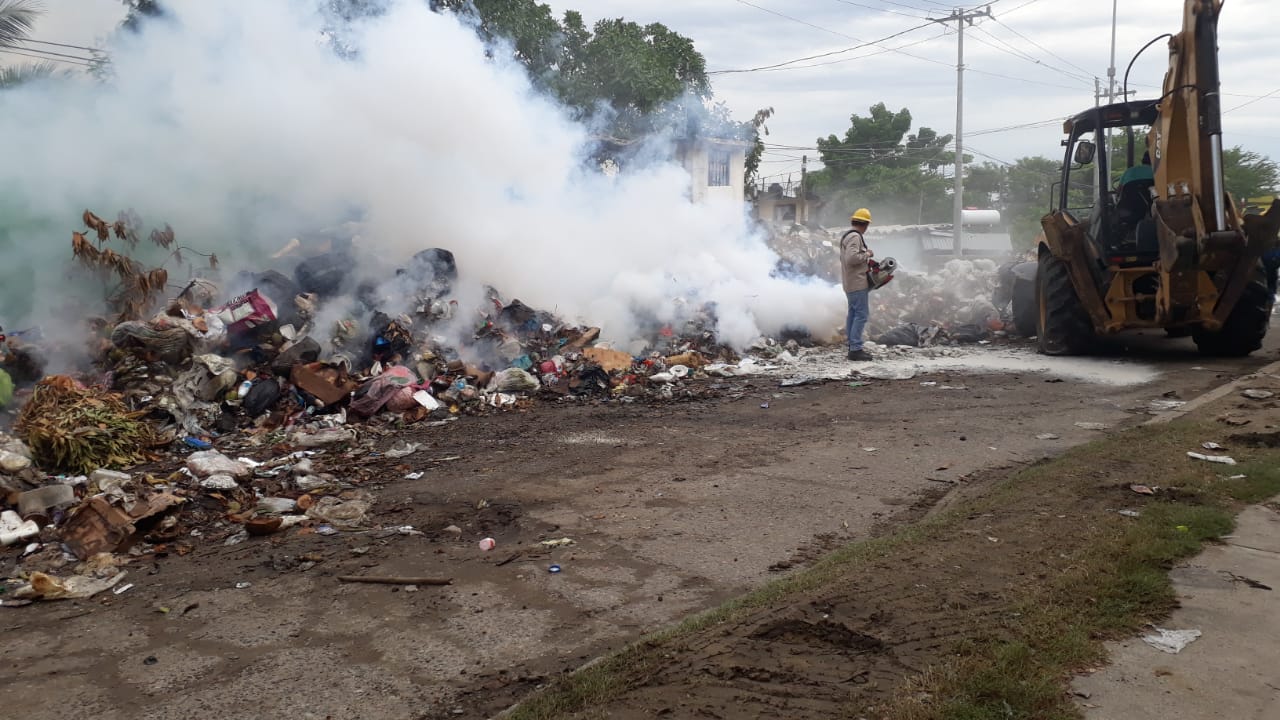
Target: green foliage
[17, 17]
[15, 75]
[1021, 192]
[140, 10]
[877, 162]
[1248, 174]
[630, 70]
[757, 124]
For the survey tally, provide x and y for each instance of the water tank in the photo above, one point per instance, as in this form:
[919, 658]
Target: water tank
[980, 217]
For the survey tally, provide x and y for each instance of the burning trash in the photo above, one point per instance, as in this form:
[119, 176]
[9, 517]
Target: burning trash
[296, 371]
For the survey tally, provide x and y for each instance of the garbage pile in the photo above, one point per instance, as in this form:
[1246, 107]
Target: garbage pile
[804, 250]
[292, 371]
[962, 303]
[952, 306]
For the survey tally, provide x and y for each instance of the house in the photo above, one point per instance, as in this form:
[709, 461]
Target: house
[787, 205]
[717, 167]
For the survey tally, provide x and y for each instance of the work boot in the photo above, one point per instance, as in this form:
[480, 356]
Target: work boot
[860, 356]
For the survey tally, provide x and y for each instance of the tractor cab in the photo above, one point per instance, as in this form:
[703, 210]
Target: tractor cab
[1105, 185]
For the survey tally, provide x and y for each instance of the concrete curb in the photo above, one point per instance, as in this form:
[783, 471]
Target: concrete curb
[1214, 395]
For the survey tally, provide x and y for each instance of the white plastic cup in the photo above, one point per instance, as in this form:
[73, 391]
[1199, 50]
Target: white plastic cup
[488, 544]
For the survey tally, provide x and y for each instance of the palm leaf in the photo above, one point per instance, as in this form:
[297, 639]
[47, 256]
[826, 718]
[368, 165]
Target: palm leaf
[17, 18]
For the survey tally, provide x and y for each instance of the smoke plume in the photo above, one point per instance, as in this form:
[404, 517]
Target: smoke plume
[240, 126]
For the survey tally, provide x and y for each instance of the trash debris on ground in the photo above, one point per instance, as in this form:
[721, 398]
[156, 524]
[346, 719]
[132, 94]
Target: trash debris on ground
[1047, 436]
[219, 415]
[1097, 426]
[1171, 641]
[47, 587]
[208, 463]
[1142, 489]
[1222, 459]
[14, 529]
[402, 449]
[1258, 394]
[887, 372]
[1130, 513]
[1211, 446]
[343, 514]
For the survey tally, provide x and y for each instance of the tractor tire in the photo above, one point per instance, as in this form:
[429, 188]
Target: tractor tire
[1025, 308]
[1062, 324]
[1245, 327]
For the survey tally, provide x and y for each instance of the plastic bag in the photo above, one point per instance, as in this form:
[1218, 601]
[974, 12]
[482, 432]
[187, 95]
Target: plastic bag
[246, 312]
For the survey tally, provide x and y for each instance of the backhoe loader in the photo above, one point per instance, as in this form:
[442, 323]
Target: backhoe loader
[1167, 247]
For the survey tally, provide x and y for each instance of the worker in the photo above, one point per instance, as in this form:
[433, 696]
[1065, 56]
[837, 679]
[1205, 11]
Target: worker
[1139, 172]
[854, 255]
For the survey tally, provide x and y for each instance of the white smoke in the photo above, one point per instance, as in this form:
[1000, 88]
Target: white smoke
[238, 124]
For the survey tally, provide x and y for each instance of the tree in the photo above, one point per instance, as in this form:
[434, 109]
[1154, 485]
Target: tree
[15, 75]
[1021, 192]
[1248, 174]
[630, 71]
[140, 10]
[17, 18]
[752, 163]
[878, 162]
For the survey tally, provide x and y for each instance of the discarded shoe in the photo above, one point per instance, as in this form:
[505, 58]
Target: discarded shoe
[860, 356]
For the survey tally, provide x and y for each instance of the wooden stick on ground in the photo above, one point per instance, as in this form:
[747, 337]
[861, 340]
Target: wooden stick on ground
[391, 580]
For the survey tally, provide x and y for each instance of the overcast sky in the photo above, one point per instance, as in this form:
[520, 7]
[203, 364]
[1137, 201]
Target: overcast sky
[1033, 62]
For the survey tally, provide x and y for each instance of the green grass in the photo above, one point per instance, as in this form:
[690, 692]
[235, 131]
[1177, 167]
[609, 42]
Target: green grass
[1119, 583]
[1114, 580]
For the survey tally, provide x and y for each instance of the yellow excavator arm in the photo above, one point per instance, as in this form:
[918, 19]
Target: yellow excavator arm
[1200, 230]
[1186, 141]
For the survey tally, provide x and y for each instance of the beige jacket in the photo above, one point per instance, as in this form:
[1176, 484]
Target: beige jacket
[853, 261]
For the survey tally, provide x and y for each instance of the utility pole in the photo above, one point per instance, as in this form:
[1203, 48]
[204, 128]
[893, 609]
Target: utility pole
[960, 17]
[1111, 71]
[803, 213]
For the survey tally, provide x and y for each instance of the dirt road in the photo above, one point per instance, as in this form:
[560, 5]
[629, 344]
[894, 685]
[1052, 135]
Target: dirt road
[671, 509]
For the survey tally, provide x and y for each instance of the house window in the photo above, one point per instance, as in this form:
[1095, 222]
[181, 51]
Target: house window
[718, 168]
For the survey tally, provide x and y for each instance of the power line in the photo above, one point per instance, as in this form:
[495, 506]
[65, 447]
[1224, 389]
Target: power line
[911, 7]
[820, 55]
[897, 49]
[1268, 96]
[1024, 56]
[1022, 126]
[880, 9]
[65, 45]
[1024, 80]
[1045, 49]
[1260, 98]
[1016, 9]
[47, 53]
[42, 57]
[791, 64]
[802, 22]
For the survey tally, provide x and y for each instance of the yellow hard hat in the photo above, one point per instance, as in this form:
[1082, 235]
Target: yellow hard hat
[861, 215]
